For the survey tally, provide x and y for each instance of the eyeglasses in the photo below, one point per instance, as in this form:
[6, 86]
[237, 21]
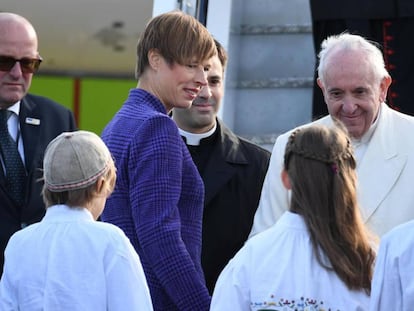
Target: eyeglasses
[27, 65]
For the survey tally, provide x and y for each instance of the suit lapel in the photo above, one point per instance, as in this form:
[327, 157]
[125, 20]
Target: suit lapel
[217, 173]
[220, 169]
[30, 135]
[30, 130]
[380, 167]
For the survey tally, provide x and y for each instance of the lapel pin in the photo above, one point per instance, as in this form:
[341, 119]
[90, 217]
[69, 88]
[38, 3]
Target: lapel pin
[32, 121]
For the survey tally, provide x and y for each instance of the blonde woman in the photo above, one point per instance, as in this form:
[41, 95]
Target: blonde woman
[158, 199]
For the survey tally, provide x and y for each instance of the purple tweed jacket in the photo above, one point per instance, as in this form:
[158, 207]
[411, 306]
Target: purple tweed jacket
[158, 201]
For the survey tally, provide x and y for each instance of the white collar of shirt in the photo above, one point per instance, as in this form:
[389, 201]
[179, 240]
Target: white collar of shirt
[367, 136]
[64, 213]
[193, 139]
[13, 121]
[14, 128]
[360, 145]
[13, 125]
[15, 108]
[293, 220]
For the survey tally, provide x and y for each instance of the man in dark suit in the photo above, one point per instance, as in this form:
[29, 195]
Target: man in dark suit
[388, 22]
[232, 168]
[33, 121]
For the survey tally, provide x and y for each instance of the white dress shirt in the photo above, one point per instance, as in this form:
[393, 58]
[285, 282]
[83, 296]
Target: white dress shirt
[68, 261]
[393, 281]
[14, 128]
[277, 270]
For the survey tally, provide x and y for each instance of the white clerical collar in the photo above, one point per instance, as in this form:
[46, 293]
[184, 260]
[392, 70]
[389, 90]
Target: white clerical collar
[193, 139]
[15, 108]
[367, 136]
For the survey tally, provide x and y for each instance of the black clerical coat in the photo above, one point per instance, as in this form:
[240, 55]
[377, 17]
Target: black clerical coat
[233, 179]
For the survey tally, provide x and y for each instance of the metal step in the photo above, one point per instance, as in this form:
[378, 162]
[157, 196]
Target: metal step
[270, 29]
[269, 76]
[293, 82]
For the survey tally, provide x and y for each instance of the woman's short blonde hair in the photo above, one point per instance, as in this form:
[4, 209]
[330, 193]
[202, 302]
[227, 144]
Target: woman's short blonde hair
[178, 37]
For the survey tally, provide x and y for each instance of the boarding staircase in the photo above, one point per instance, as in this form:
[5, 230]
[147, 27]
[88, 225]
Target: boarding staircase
[269, 75]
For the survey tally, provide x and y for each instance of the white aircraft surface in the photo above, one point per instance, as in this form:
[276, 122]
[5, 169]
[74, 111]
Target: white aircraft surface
[85, 37]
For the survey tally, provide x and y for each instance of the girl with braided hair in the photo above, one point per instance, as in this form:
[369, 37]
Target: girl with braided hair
[319, 255]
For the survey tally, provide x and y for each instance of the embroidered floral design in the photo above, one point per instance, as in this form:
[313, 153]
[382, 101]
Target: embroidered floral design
[302, 304]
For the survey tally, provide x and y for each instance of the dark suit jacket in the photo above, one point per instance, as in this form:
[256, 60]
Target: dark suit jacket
[54, 119]
[233, 181]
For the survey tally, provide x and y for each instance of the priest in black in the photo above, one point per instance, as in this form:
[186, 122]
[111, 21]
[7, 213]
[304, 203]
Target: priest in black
[232, 168]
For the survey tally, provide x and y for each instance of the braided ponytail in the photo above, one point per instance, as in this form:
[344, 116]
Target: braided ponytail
[321, 167]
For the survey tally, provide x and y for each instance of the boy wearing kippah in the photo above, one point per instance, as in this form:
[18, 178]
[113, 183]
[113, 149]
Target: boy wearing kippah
[69, 261]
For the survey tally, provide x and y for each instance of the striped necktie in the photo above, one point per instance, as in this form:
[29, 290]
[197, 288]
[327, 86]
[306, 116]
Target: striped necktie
[15, 171]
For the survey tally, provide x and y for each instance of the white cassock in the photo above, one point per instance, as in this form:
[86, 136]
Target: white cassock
[385, 176]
